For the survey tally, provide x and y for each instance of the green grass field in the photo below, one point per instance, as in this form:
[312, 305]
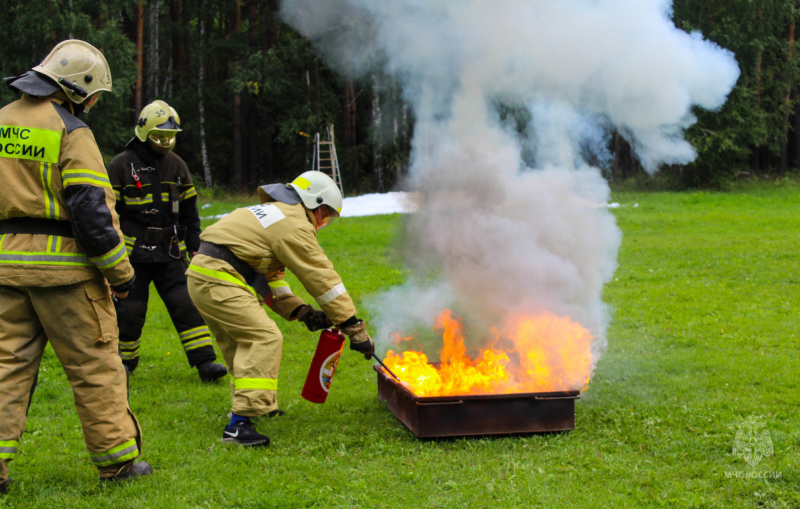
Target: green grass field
[704, 336]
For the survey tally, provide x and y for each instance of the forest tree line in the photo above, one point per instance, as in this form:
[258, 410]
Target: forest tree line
[252, 93]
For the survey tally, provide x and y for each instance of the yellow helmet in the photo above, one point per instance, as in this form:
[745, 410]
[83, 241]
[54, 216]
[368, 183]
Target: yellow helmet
[157, 125]
[79, 69]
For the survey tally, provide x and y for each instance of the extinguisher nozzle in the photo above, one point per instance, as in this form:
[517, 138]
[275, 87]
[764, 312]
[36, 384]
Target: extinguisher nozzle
[384, 367]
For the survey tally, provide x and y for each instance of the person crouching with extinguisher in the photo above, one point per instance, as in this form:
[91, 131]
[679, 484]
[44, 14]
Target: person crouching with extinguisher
[242, 264]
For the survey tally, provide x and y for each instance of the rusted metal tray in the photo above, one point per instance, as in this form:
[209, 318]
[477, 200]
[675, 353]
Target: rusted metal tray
[488, 414]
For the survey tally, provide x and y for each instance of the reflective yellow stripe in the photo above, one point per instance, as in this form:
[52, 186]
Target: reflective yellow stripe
[190, 333]
[129, 345]
[132, 200]
[129, 243]
[50, 203]
[197, 343]
[113, 258]
[95, 178]
[189, 193]
[44, 258]
[32, 143]
[129, 349]
[54, 243]
[280, 288]
[195, 338]
[217, 274]
[264, 384]
[8, 449]
[127, 451]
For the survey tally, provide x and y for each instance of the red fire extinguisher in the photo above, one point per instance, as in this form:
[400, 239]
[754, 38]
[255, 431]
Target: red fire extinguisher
[323, 366]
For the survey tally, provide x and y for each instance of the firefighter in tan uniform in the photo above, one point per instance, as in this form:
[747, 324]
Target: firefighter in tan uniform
[60, 251]
[242, 262]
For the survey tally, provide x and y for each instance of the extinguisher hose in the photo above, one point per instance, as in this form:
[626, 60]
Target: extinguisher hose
[379, 361]
[384, 367]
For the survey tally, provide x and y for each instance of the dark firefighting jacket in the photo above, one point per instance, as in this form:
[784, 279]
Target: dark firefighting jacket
[57, 225]
[156, 203]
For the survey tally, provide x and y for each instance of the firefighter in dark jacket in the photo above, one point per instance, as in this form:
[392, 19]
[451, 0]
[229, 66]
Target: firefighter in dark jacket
[61, 258]
[157, 206]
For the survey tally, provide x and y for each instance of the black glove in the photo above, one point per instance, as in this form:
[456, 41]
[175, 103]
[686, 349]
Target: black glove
[313, 318]
[359, 339]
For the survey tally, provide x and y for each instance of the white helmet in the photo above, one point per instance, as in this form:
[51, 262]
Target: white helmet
[316, 188]
[78, 68]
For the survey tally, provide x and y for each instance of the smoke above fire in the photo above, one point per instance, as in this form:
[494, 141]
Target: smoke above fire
[513, 104]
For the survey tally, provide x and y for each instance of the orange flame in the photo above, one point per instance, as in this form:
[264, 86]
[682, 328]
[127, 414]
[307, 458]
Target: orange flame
[547, 354]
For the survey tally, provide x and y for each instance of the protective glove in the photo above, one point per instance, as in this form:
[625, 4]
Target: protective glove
[313, 318]
[359, 339]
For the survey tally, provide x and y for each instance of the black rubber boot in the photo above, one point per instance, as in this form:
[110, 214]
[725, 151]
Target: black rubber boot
[4, 486]
[211, 371]
[137, 470]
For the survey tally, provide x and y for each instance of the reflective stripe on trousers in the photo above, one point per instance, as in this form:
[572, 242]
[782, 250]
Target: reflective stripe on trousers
[8, 449]
[124, 452]
[249, 340]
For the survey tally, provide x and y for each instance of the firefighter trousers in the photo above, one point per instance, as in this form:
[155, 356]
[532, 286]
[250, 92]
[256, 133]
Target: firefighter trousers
[249, 340]
[78, 320]
[169, 280]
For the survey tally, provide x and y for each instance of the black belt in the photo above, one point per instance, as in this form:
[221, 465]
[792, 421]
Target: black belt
[250, 275]
[36, 226]
[153, 235]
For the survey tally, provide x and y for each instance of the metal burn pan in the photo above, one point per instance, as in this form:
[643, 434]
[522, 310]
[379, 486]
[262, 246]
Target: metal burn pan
[486, 414]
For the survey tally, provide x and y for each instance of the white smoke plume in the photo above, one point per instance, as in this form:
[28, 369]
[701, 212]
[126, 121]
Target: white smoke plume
[498, 231]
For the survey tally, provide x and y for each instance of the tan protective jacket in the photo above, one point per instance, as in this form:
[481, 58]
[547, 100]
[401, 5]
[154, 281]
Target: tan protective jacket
[271, 238]
[52, 169]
